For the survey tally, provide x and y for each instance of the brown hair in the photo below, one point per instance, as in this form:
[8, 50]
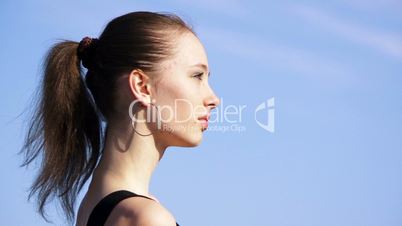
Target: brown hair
[66, 130]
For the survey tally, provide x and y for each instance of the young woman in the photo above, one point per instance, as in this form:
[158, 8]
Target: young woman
[146, 88]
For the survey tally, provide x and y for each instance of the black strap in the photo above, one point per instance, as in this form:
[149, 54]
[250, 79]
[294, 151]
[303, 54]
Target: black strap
[103, 209]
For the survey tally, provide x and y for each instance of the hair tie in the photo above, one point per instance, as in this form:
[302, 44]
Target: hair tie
[86, 51]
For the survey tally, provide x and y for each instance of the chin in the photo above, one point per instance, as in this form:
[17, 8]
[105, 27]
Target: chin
[188, 139]
[183, 138]
[194, 143]
[191, 140]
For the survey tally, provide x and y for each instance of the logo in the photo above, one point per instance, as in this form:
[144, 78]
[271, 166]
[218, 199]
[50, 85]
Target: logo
[267, 107]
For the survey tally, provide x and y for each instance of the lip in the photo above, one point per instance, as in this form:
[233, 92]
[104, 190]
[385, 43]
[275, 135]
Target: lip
[204, 121]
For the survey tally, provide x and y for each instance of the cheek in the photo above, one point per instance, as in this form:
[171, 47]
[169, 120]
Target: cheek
[177, 102]
[184, 111]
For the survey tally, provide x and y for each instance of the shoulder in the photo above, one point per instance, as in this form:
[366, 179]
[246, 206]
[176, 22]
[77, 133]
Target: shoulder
[140, 211]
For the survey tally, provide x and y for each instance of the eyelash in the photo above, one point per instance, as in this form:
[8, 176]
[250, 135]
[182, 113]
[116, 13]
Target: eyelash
[199, 75]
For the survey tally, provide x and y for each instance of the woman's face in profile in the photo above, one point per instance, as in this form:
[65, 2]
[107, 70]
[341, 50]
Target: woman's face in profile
[183, 93]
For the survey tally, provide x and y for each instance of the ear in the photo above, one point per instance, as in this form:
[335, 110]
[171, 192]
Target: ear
[140, 86]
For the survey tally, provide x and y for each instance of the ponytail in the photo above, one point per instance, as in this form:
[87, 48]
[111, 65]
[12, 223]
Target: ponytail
[65, 131]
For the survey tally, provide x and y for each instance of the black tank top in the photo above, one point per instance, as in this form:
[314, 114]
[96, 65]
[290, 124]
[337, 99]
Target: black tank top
[104, 207]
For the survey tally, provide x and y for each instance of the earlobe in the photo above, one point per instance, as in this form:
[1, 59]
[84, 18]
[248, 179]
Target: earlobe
[139, 86]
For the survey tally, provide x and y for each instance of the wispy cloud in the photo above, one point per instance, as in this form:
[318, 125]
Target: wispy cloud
[263, 51]
[386, 42]
[232, 8]
[391, 5]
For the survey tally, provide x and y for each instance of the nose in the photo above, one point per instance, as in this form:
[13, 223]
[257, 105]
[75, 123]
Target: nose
[212, 101]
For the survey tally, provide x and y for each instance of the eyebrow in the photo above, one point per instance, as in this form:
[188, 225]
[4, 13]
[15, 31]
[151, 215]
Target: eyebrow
[205, 67]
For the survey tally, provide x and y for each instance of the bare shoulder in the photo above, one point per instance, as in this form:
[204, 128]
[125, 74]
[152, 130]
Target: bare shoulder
[140, 211]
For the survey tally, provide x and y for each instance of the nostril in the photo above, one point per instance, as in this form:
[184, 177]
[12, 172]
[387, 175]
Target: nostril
[213, 101]
[216, 101]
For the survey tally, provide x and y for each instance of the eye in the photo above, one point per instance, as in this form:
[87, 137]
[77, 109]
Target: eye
[199, 75]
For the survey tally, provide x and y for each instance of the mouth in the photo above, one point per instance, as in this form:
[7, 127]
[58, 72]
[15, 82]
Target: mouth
[204, 121]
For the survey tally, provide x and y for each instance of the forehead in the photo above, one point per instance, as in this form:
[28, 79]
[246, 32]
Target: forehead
[190, 51]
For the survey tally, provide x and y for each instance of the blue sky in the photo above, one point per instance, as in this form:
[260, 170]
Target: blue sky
[333, 67]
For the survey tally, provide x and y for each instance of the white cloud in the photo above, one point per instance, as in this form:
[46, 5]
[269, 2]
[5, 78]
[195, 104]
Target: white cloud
[231, 8]
[390, 5]
[389, 43]
[274, 55]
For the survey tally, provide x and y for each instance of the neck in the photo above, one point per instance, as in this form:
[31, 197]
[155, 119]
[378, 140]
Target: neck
[128, 160]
